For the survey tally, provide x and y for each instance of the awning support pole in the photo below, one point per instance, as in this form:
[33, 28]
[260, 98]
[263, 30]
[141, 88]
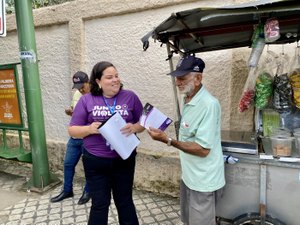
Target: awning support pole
[177, 123]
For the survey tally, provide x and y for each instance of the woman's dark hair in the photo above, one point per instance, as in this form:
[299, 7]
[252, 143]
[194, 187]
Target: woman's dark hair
[97, 73]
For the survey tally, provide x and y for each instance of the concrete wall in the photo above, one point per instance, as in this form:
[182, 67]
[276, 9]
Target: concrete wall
[76, 35]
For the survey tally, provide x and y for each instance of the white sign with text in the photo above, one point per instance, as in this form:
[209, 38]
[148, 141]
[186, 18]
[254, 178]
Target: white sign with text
[2, 19]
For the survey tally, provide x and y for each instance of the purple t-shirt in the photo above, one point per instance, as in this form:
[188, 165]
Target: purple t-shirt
[91, 108]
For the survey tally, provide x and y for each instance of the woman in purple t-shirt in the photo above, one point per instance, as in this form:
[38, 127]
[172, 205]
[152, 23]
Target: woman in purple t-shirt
[106, 172]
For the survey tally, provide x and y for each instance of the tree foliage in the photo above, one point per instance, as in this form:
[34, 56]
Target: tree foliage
[10, 4]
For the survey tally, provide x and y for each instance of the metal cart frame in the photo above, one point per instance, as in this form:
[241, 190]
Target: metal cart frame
[257, 191]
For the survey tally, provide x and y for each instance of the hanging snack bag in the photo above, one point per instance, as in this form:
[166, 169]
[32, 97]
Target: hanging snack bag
[282, 94]
[271, 30]
[246, 99]
[263, 90]
[249, 92]
[264, 82]
[295, 83]
[295, 77]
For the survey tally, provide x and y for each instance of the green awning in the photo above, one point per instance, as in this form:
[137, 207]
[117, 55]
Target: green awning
[208, 29]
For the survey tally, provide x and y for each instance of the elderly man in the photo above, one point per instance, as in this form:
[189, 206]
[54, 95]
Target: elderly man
[199, 143]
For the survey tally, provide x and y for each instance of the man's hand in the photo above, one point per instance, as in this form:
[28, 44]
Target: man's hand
[69, 111]
[157, 134]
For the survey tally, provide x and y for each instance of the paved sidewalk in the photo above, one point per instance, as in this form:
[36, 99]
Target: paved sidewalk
[29, 208]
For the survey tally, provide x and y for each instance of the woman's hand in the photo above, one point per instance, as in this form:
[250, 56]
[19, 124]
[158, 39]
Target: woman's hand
[128, 129]
[83, 131]
[93, 128]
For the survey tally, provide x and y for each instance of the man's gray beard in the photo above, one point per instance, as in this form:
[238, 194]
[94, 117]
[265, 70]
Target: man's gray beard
[188, 90]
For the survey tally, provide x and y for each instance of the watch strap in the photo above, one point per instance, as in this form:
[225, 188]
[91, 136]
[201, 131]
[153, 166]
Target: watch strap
[169, 141]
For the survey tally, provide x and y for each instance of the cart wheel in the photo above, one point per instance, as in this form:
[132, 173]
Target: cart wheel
[254, 219]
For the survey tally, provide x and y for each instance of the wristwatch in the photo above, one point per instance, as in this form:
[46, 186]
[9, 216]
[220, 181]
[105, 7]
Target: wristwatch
[169, 141]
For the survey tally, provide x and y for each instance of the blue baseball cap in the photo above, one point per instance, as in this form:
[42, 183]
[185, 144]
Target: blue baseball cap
[79, 78]
[188, 64]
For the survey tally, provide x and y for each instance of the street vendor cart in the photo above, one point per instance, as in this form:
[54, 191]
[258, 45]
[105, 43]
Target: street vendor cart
[263, 187]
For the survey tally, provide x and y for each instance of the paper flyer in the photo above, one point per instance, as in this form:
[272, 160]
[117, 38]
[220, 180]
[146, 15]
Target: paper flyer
[152, 117]
[110, 130]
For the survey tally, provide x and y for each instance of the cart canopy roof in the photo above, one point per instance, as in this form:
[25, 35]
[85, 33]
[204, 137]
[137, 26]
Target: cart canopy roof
[208, 29]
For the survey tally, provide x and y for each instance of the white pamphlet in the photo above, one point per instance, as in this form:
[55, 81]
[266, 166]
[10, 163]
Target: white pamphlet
[152, 117]
[110, 130]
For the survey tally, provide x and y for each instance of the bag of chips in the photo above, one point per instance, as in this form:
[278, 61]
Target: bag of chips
[264, 82]
[263, 90]
[282, 94]
[248, 94]
[294, 77]
[271, 30]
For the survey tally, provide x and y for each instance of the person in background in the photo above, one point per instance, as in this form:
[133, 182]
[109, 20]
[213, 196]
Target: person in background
[106, 172]
[74, 145]
[199, 145]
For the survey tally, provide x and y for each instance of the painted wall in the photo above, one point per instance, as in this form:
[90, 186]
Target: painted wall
[76, 35]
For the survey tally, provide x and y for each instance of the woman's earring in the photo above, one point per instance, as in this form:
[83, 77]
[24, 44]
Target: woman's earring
[99, 86]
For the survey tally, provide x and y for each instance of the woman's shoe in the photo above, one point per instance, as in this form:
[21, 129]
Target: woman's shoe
[63, 195]
[85, 197]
